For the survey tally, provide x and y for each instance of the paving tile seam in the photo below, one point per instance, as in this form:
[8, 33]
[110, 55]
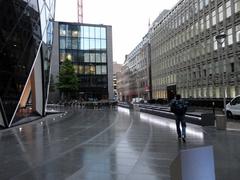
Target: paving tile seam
[144, 149]
[68, 151]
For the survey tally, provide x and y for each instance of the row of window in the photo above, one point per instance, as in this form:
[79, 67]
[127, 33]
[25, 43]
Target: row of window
[90, 69]
[188, 8]
[82, 43]
[86, 57]
[201, 47]
[204, 92]
[82, 31]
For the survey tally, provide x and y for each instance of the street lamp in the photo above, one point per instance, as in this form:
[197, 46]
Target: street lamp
[92, 72]
[220, 38]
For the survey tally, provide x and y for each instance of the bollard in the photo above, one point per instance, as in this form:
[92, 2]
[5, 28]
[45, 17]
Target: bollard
[220, 122]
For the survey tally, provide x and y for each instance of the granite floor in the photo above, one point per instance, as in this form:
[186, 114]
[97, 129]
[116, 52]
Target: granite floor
[108, 145]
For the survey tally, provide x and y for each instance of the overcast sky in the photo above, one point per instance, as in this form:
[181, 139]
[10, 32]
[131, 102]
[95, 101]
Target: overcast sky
[128, 18]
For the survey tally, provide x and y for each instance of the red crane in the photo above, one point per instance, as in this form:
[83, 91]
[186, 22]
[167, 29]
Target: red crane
[80, 10]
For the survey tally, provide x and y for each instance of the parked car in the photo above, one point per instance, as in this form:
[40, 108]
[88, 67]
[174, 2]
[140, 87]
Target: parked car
[233, 107]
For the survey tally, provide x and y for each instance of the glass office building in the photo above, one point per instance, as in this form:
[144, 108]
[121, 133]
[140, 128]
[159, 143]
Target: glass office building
[25, 46]
[89, 48]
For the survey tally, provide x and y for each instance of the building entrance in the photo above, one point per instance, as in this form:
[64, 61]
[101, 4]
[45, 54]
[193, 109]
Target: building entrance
[171, 92]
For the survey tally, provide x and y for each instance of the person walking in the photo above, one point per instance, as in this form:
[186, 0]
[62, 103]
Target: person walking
[179, 108]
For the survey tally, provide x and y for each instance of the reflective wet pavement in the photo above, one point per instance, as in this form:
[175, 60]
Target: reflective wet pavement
[108, 145]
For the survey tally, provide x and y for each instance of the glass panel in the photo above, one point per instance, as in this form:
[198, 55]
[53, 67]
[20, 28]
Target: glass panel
[86, 31]
[98, 57]
[62, 43]
[43, 22]
[68, 43]
[92, 69]
[74, 43]
[75, 68]
[68, 30]
[104, 59]
[81, 69]
[214, 18]
[103, 44]
[80, 57]
[238, 33]
[97, 32]
[74, 31]
[98, 70]
[237, 6]
[103, 33]
[86, 44]
[86, 57]
[220, 13]
[92, 44]
[92, 57]
[104, 70]
[87, 70]
[62, 30]
[69, 56]
[98, 44]
[82, 31]
[229, 10]
[92, 32]
[229, 36]
[62, 55]
[82, 44]
[74, 56]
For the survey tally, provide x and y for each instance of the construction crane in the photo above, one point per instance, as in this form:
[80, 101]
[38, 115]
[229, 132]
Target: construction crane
[80, 10]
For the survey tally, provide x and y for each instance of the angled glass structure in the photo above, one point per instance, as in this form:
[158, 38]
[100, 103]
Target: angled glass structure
[25, 49]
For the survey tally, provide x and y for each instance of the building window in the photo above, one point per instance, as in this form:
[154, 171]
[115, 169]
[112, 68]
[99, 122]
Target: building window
[98, 70]
[238, 33]
[75, 68]
[207, 22]
[68, 43]
[74, 43]
[62, 43]
[232, 91]
[86, 57]
[81, 69]
[205, 73]
[201, 4]
[215, 44]
[220, 13]
[104, 69]
[214, 18]
[104, 58]
[232, 67]
[217, 92]
[205, 92]
[228, 9]
[206, 2]
[210, 90]
[237, 6]
[62, 30]
[202, 25]
[229, 36]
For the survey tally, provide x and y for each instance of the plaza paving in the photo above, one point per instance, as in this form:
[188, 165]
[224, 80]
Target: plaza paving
[108, 145]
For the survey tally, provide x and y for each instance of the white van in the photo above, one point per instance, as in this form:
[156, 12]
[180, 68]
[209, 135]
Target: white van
[233, 108]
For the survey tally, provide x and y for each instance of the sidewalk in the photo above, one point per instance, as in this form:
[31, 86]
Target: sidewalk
[232, 124]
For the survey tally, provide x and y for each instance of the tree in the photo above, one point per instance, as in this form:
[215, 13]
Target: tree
[67, 79]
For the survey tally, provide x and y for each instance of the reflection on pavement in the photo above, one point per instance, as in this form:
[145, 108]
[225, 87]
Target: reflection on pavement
[164, 122]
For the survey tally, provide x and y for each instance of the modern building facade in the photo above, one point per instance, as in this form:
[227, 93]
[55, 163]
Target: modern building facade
[25, 48]
[89, 47]
[116, 70]
[135, 75]
[187, 59]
